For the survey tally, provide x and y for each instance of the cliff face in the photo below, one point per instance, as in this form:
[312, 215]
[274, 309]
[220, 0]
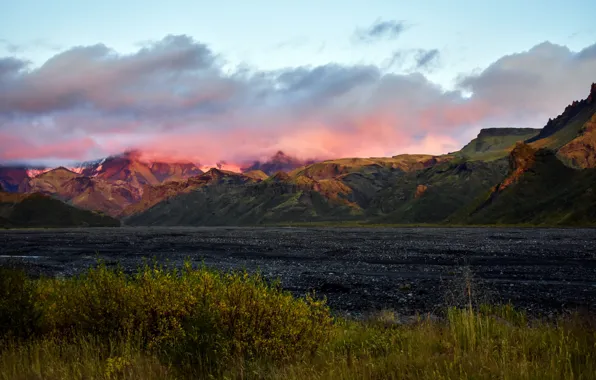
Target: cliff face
[581, 151]
[521, 159]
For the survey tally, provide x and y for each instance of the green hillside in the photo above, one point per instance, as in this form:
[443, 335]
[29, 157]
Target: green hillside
[545, 192]
[37, 210]
[495, 143]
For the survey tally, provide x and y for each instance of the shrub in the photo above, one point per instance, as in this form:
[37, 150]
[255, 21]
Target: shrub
[18, 316]
[193, 314]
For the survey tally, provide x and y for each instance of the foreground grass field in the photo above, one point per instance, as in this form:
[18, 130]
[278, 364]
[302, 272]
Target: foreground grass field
[196, 323]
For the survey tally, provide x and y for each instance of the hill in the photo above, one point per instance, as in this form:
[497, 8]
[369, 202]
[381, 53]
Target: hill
[495, 143]
[539, 189]
[38, 210]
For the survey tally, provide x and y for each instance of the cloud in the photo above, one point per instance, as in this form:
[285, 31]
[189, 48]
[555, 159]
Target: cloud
[9, 46]
[381, 30]
[419, 59]
[536, 84]
[35, 44]
[292, 43]
[426, 58]
[10, 66]
[173, 100]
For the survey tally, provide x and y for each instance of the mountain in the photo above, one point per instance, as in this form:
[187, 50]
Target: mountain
[280, 198]
[431, 195]
[326, 191]
[38, 210]
[539, 189]
[278, 162]
[127, 168]
[494, 143]
[158, 193]
[568, 125]
[166, 172]
[581, 151]
[11, 177]
[109, 185]
[505, 175]
[49, 182]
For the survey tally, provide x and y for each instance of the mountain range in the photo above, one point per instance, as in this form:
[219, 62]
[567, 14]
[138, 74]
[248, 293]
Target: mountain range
[505, 176]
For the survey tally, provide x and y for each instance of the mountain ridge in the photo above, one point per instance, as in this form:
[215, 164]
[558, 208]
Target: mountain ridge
[399, 189]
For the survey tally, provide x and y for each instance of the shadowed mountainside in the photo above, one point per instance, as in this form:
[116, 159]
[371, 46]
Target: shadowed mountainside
[38, 210]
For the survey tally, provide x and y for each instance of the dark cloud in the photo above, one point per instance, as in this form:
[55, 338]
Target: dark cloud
[427, 58]
[418, 59]
[11, 66]
[172, 98]
[381, 30]
[326, 82]
[587, 53]
[98, 78]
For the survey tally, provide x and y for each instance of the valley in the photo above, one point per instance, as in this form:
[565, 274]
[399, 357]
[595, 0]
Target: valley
[359, 270]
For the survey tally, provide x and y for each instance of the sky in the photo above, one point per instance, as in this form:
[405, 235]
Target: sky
[238, 81]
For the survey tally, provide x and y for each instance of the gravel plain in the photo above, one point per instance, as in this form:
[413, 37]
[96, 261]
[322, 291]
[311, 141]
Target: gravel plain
[360, 270]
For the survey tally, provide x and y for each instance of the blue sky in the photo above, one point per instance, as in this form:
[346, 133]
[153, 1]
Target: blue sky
[313, 70]
[276, 34]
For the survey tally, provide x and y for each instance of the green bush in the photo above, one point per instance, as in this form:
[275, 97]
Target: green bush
[18, 316]
[193, 314]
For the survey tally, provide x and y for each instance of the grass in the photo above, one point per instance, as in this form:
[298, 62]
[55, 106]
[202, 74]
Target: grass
[196, 323]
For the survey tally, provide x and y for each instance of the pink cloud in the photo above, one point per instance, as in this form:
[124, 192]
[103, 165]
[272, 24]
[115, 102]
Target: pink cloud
[14, 148]
[173, 101]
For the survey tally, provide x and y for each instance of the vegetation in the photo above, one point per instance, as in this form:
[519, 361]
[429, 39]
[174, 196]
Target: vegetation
[196, 323]
[37, 210]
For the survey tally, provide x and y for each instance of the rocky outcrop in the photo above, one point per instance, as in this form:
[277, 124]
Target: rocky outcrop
[420, 190]
[521, 159]
[581, 151]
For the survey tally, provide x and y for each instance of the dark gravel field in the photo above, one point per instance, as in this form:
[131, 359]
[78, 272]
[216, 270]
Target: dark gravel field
[410, 270]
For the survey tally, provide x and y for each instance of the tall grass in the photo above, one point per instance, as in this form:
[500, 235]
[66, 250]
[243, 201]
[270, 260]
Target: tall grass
[196, 323]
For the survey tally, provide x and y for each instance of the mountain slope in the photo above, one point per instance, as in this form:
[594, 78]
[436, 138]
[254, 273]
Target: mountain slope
[278, 162]
[581, 151]
[494, 143]
[571, 134]
[49, 182]
[38, 210]
[11, 177]
[540, 189]
[272, 201]
[155, 194]
[432, 194]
